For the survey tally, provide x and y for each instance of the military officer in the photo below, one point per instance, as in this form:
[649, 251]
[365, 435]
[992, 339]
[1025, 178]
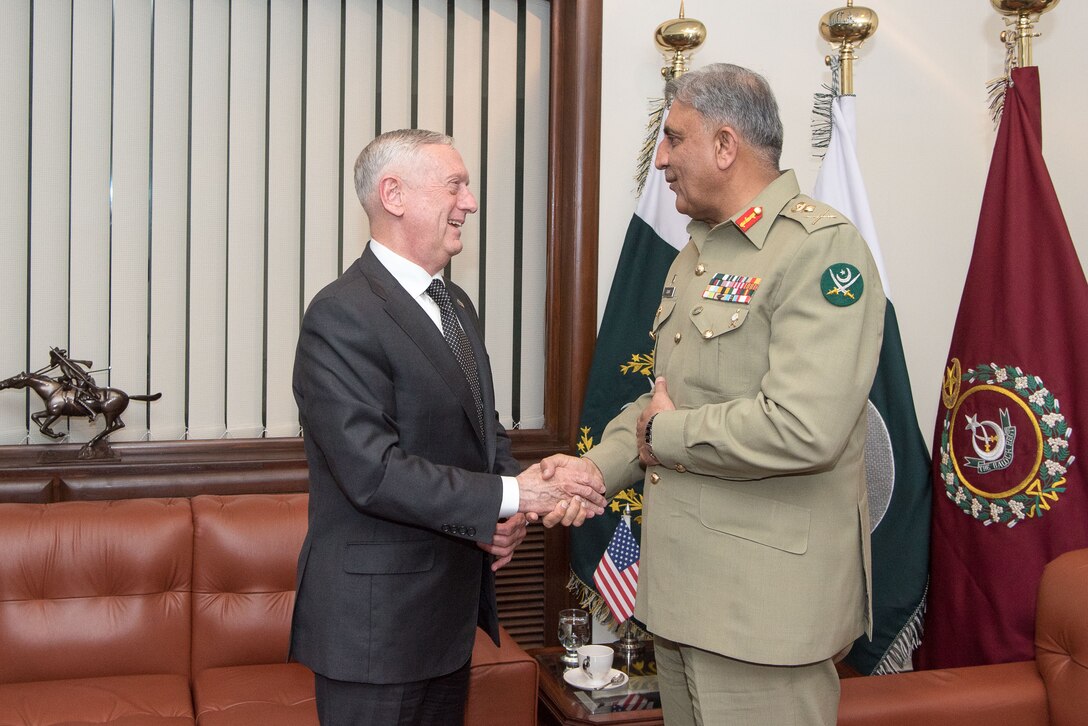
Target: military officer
[755, 540]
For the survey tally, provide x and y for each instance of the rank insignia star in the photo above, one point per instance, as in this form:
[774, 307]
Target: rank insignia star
[807, 210]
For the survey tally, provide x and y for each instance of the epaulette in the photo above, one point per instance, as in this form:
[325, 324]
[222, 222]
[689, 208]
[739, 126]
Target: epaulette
[812, 215]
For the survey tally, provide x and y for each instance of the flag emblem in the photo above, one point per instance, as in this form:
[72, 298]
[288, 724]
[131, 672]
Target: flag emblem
[732, 288]
[994, 443]
[842, 284]
[1020, 459]
[633, 702]
[616, 577]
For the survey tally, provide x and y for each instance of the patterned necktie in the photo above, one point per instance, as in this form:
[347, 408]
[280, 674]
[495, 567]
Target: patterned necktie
[458, 342]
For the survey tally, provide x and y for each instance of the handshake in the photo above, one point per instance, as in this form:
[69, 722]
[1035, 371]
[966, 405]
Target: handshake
[563, 490]
[559, 490]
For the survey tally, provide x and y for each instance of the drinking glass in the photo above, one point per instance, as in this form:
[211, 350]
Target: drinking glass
[573, 633]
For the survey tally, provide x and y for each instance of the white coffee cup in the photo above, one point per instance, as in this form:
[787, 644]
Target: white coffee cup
[596, 663]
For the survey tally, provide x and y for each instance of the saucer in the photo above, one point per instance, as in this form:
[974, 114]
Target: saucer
[578, 679]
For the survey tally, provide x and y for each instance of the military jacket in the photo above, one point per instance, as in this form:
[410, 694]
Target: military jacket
[755, 535]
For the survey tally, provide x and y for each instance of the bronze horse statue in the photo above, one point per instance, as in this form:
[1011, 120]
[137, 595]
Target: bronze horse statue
[60, 399]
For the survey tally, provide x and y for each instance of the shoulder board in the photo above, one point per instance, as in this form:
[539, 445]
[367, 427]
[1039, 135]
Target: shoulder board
[812, 215]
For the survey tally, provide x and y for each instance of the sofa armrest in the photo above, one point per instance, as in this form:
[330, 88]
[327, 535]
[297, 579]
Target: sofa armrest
[976, 696]
[502, 683]
[1061, 637]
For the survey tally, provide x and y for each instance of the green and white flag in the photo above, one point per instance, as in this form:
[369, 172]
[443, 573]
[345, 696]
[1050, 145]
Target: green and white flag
[897, 461]
[622, 367]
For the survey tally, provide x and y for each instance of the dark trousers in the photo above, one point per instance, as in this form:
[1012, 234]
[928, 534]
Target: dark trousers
[433, 702]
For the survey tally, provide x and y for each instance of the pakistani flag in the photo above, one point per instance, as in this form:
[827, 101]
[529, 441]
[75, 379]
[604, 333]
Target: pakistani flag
[623, 363]
[896, 459]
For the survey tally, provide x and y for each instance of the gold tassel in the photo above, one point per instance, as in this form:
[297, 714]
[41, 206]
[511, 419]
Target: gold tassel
[649, 144]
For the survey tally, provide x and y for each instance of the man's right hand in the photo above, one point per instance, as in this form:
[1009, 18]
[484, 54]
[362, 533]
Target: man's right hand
[571, 513]
[542, 495]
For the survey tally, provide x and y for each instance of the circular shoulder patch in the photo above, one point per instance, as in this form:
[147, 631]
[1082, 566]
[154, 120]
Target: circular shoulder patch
[842, 284]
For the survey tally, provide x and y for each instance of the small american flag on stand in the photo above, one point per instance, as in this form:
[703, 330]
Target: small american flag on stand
[616, 577]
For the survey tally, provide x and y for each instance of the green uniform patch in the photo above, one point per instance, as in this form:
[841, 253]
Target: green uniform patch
[842, 284]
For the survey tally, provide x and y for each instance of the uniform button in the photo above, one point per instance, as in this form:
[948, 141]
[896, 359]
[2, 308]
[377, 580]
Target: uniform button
[698, 309]
[676, 338]
[708, 334]
[446, 528]
[471, 532]
[659, 311]
[680, 468]
[655, 477]
[461, 529]
[700, 269]
[653, 335]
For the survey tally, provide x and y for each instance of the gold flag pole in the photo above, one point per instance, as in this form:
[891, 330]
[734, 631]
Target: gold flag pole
[679, 37]
[847, 28]
[1024, 14]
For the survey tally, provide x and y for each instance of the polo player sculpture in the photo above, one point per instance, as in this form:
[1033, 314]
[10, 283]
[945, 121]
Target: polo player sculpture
[74, 393]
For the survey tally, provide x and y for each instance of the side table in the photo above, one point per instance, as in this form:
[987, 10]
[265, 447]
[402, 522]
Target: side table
[636, 704]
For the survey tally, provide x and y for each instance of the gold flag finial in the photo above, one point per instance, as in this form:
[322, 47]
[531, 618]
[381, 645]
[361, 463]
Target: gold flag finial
[678, 39]
[1023, 14]
[847, 28]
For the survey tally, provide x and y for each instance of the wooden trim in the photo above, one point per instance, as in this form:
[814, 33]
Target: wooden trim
[574, 199]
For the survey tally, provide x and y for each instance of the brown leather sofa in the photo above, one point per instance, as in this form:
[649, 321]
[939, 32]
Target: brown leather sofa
[1052, 689]
[177, 611]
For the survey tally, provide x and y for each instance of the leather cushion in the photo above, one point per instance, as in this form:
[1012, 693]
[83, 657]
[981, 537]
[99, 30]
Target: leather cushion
[245, 552]
[94, 589]
[255, 695]
[154, 700]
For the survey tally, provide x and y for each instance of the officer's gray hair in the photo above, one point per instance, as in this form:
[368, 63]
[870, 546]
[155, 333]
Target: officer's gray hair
[393, 148]
[725, 94]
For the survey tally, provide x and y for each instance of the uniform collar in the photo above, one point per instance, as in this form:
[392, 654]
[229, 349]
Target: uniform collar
[754, 221]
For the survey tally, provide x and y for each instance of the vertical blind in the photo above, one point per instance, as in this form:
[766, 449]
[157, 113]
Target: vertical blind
[176, 185]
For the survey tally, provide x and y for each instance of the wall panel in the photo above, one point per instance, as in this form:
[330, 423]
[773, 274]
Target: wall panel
[15, 147]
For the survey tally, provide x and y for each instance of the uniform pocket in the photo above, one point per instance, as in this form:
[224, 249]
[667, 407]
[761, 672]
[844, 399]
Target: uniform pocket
[757, 519]
[730, 356]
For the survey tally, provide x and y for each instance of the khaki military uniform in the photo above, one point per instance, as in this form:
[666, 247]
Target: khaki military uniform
[755, 535]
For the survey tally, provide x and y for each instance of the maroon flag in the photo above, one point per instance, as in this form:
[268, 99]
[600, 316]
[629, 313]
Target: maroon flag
[1009, 492]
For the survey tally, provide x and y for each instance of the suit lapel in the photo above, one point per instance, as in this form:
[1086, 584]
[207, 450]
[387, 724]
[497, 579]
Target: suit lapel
[419, 328]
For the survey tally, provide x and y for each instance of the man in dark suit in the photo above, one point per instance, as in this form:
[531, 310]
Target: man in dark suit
[415, 498]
